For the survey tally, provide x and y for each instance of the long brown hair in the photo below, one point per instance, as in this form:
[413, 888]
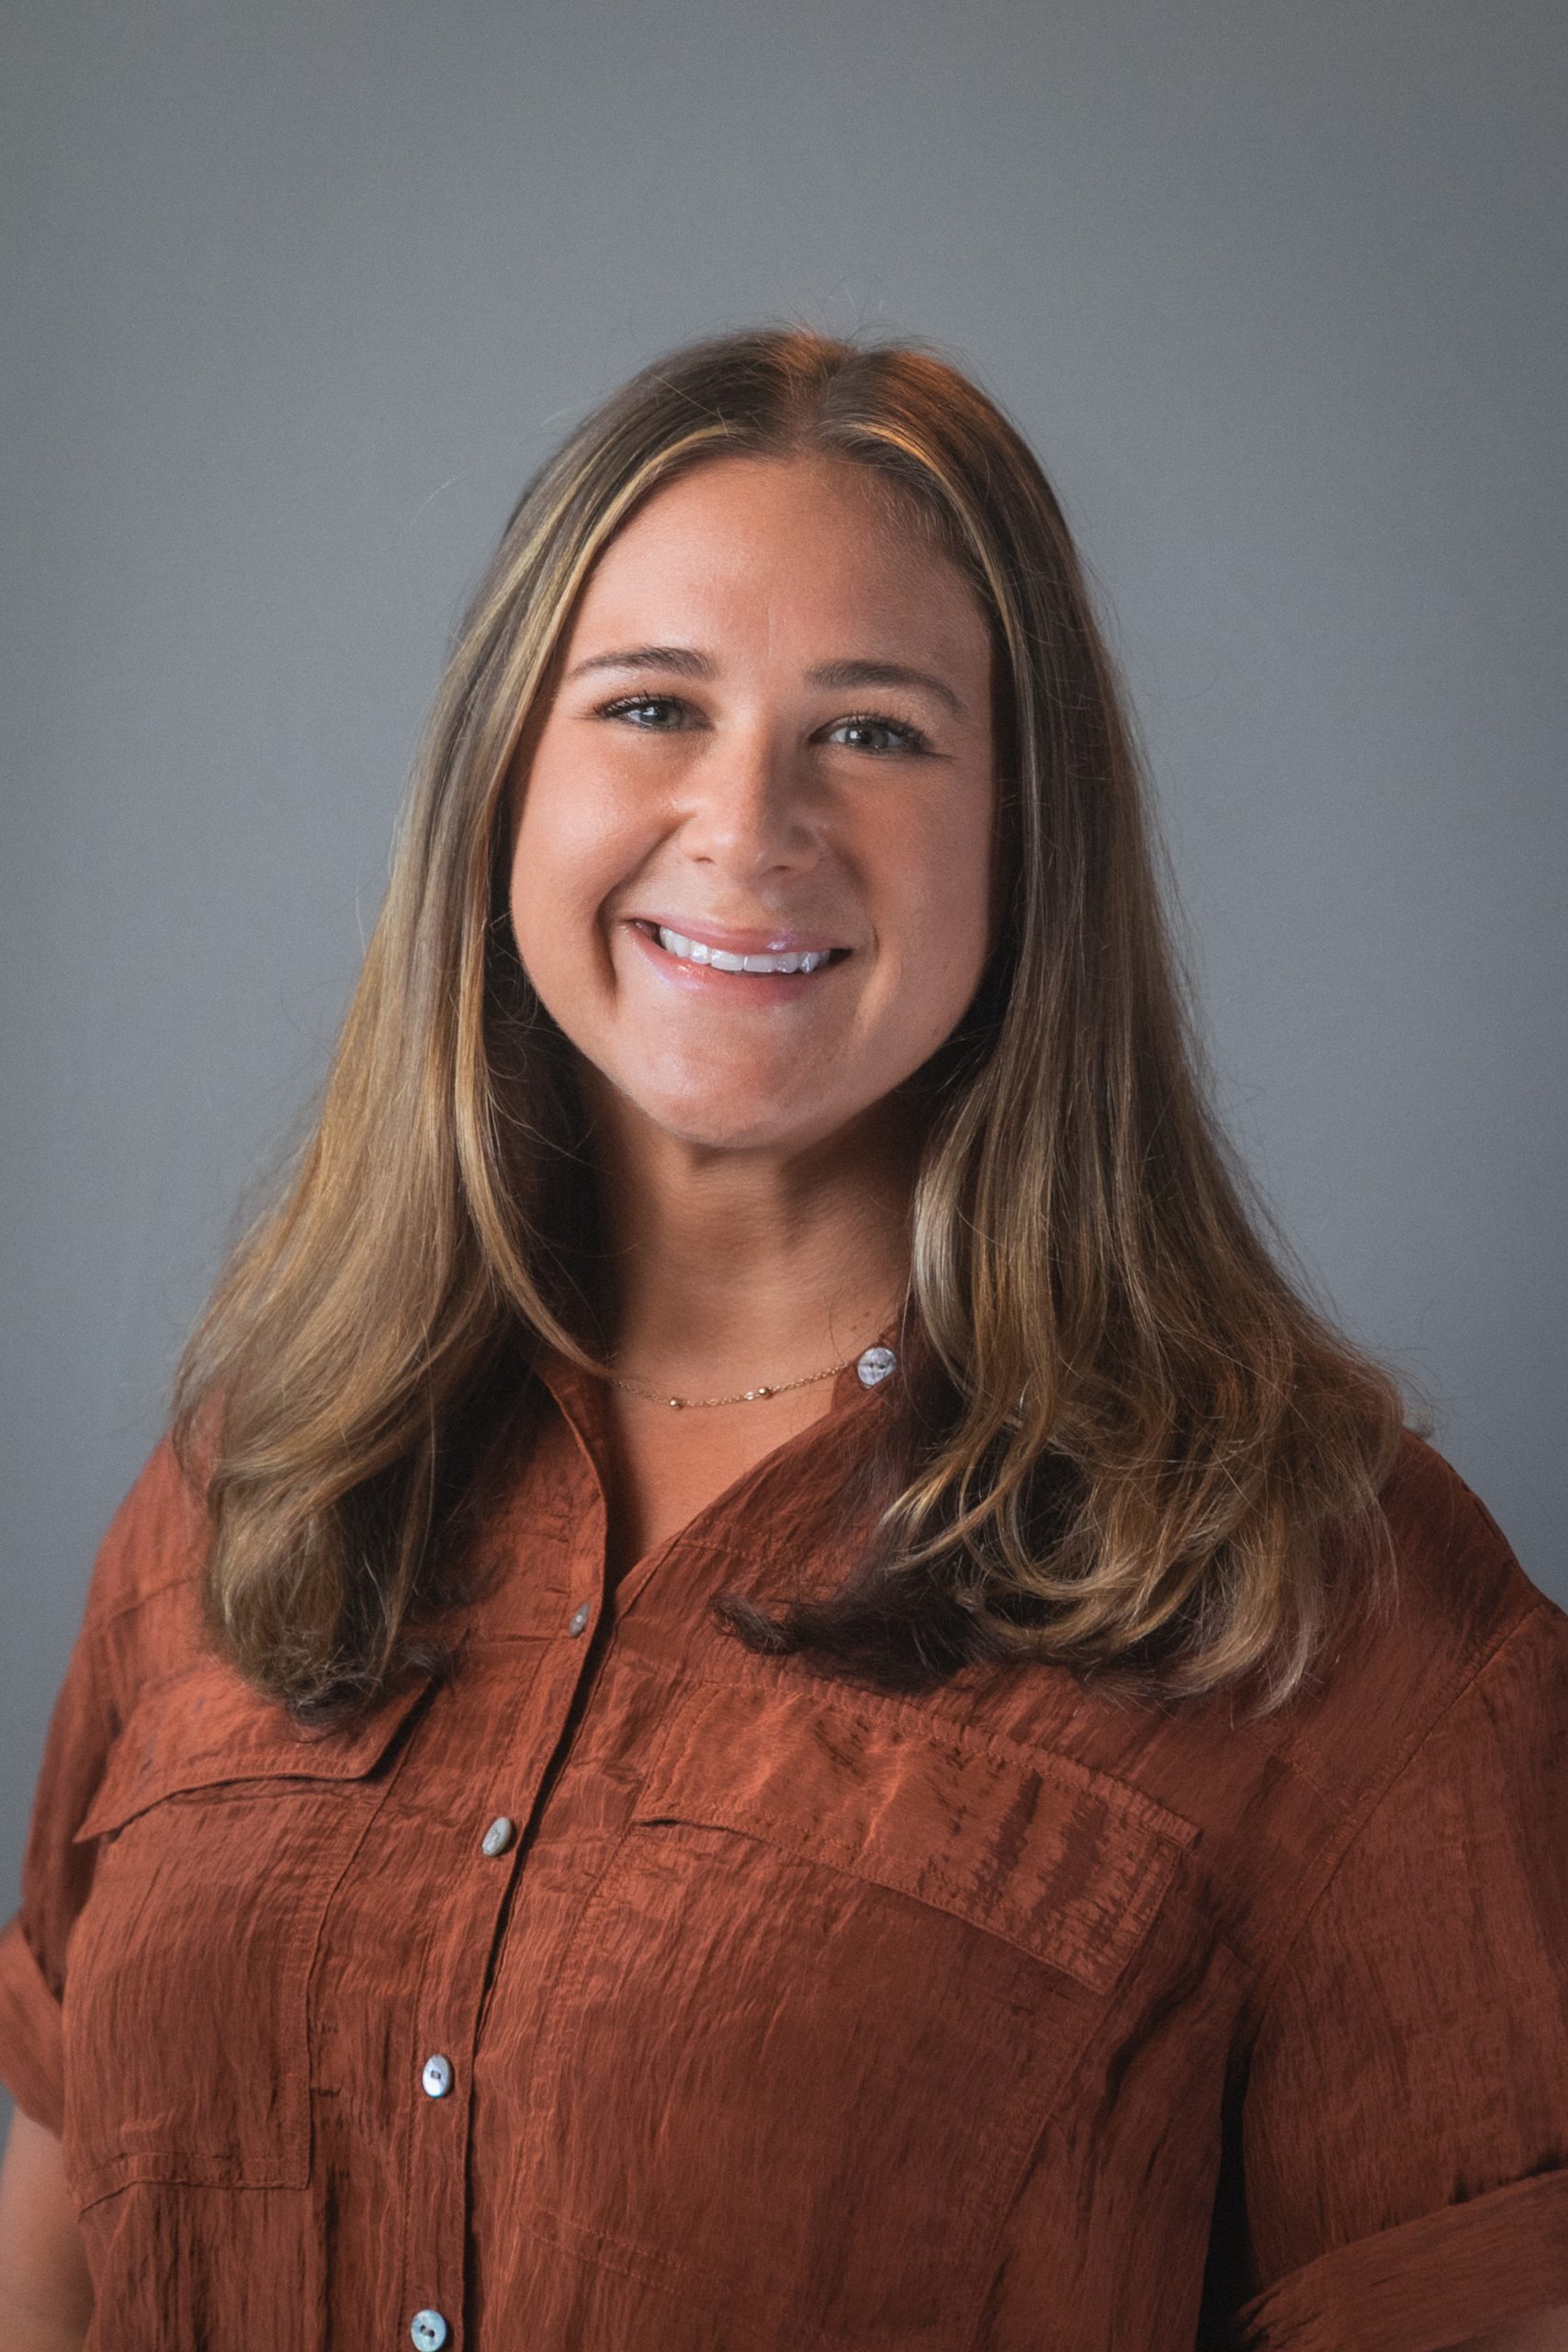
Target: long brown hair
[1138, 1448]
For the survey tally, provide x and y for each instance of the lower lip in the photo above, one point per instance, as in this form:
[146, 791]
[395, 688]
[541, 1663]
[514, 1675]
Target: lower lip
[732, 988]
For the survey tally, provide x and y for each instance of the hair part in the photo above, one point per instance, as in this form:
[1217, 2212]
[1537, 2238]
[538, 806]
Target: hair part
[1135, 1446]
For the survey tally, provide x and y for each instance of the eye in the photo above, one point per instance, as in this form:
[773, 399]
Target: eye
[667, 712]
[908, 738]
[629, 702]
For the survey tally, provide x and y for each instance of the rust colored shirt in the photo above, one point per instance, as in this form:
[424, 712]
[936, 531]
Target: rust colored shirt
[629, 1992]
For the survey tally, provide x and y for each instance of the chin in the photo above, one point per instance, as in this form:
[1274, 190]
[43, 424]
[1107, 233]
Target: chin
[754, 1125]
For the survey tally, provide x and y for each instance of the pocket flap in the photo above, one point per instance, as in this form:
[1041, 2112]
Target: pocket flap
[1068, 1864]
[206, 1726]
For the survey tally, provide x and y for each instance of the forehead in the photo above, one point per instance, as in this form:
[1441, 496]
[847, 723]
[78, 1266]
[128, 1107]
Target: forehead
[802, 543]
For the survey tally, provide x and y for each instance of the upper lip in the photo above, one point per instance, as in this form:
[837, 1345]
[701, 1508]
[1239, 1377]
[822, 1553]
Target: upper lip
[732, 941]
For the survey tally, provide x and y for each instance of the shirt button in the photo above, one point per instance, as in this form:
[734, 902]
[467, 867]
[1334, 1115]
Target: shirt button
[876, 1365]
[429, 2331]
[436, 2079]
[499, 1836]
[579, 1618]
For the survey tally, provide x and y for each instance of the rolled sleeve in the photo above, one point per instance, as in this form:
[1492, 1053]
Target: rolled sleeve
[1405, 2122]
[32, 2063]
[56, 1871]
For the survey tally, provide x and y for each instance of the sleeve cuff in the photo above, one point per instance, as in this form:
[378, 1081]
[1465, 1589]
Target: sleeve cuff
[1426, 2285]
[32, 2063]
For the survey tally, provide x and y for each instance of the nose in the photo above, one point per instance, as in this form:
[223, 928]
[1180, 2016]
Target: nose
[750, 808]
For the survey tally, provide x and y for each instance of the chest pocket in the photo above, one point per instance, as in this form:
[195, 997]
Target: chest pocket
[820, 2003]
[222, 1833]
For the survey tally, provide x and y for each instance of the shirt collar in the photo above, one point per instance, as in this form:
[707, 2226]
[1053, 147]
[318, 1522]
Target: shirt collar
[785, 1520]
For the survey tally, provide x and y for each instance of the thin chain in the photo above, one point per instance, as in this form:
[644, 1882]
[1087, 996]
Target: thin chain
[746, 1395]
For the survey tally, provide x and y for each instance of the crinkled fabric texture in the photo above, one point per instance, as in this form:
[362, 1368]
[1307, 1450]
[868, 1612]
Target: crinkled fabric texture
[1010, 2019]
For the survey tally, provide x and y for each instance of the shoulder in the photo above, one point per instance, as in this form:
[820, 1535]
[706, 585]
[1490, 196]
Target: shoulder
[1458, 1572]
[1397, 1652]
[143, 1613]
[1456, 1602]
[1449, 1687]
[1457, 1671]
[1430, 1745]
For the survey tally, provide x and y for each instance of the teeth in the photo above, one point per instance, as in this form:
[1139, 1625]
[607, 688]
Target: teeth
[695, 951]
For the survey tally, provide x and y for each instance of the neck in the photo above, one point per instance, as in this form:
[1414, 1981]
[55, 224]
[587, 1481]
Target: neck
[729, 1268]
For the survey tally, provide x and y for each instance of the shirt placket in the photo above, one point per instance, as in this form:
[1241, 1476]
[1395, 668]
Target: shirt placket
[489, 1851]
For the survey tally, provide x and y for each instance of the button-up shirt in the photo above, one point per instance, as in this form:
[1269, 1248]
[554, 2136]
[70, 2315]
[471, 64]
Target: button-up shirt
[627, 1991]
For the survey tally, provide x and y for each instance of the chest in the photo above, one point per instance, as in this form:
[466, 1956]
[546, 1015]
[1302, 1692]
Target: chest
[666, 1465]
[746, 2026]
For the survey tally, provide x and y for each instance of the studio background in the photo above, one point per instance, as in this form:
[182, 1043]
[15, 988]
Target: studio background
[295, 298]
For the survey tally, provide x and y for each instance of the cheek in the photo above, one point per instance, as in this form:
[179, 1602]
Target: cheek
[571, 846]
[530, 904]
[946, 897]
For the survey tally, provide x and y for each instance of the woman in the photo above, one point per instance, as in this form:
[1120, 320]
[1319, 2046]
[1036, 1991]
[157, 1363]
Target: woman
[1019, 1813]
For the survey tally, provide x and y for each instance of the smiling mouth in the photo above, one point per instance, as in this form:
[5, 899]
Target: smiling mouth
[800, 961]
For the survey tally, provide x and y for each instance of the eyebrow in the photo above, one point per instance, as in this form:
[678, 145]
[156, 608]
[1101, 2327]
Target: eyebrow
[688, 663]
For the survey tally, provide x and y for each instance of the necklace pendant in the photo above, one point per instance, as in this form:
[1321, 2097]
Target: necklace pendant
[761, 1392]
[676, 1402]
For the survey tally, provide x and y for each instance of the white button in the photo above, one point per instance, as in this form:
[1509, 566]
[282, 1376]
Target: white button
[579, 1618]
[437, 2077]
[429, 2331]
[499, 1836]
[876, 1365]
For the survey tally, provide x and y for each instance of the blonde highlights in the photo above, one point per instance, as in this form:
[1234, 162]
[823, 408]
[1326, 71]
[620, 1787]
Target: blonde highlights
[1141, 1451]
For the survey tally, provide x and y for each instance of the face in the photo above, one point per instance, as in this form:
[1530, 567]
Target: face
[750, 872]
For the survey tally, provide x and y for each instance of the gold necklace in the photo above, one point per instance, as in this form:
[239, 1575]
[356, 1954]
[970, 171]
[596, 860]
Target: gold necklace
[873, 1363]
[744, 1395]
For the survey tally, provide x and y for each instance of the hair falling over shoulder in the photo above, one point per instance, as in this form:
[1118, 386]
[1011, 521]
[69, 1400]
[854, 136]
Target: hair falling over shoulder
[1135, 1446]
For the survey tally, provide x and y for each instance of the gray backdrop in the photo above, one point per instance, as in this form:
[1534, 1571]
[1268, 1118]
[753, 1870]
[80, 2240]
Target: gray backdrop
[295, 296]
